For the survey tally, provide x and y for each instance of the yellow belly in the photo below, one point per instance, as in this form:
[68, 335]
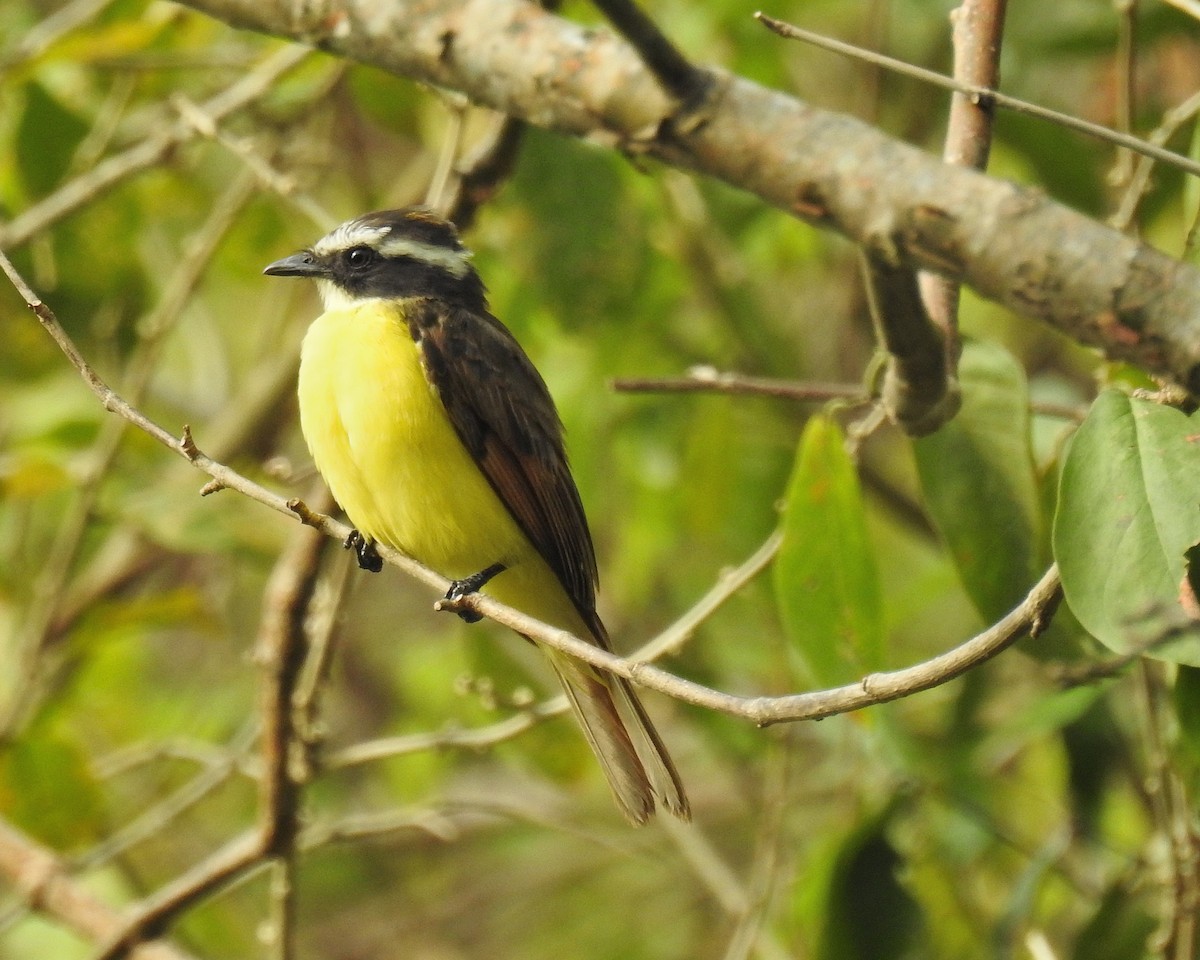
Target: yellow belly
[383, 442]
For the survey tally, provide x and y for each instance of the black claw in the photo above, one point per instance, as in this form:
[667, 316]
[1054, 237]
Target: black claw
[364, 549]
[472, 584]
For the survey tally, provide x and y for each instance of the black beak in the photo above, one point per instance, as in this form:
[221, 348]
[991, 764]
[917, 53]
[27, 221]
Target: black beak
[302, 264]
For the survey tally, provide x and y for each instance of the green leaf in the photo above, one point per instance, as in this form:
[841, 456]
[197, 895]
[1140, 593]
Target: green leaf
[977, 475]
[826, 582]
[1128, 510]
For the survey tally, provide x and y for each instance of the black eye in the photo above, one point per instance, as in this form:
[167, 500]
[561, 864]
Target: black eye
[359, 257]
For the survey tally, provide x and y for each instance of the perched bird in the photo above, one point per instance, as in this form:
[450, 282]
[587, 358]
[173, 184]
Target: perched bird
[438, 437]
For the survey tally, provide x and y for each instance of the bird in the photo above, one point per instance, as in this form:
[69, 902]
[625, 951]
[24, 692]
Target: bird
[438, 437]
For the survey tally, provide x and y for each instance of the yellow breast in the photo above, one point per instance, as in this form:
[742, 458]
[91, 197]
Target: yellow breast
[383, 442]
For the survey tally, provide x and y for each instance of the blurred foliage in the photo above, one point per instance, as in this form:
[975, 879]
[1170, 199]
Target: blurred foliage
[1001, 814]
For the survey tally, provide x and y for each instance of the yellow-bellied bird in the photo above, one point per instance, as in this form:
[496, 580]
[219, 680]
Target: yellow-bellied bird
[437, 436]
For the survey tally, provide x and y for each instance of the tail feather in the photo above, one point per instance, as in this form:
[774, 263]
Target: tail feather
[664, 778]
[638, 769]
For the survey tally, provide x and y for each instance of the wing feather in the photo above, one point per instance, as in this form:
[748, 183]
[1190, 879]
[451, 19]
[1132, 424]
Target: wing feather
[502, 411]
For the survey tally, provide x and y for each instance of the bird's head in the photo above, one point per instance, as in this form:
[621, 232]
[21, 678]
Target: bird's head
[391, 254]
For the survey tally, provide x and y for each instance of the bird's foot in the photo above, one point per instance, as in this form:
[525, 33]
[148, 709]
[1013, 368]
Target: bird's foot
[364, 549]
[460, 589]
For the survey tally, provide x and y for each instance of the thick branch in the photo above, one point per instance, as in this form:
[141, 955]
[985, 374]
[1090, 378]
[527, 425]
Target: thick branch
[1012, 244]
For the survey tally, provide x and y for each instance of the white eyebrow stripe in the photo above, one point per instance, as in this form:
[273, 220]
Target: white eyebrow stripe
[455, 261]
[350, 234]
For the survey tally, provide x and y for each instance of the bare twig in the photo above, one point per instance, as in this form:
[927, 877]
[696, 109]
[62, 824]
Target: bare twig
[52, 28]
[1028, 617]
[978, 26]
[710, 380]
[282, 937]
[71, 196]
[490, 165]
[1179, 934]
[281, 650]
[44, 881]
[667, 642]
[245, 149]
[1126, 70]
[479, 738]
[680, 78]
[158, 817]
[322, 619]
[437, 194]
[728, 583]
[36, 632]
[156, 912]
[1172, 120]
[1015, 104]
[920, 390]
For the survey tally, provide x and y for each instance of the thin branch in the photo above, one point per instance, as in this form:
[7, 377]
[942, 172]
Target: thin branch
[920, 390]
[1172, 120]
[978, 27]
[281, 649]
[437, 193]
[35, 633]
[244, 148]
[436, 823]
[43, 880]
[711, 380]
[124, 556]
[157, 911]
[679, 77]
[1172, 810]
[52, 28]
[73, 195]
[728, 583]
[480, 738]
[1126, 80]
[282, 935]
[1029, 617]
[158, 817]
[983, 93]
[485, 171]
[322, 618]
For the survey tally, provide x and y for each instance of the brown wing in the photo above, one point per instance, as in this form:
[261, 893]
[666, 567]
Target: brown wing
[504, 415]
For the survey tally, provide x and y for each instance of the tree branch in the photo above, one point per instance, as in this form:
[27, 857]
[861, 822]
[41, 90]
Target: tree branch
[43, 879]
[710, 380]
[1011, 243]
[1029, 617]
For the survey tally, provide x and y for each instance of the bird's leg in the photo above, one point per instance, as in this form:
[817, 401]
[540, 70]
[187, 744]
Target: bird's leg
[364, 549]
[472, 584]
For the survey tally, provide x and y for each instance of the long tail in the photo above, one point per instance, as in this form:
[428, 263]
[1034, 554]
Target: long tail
[631, 753]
